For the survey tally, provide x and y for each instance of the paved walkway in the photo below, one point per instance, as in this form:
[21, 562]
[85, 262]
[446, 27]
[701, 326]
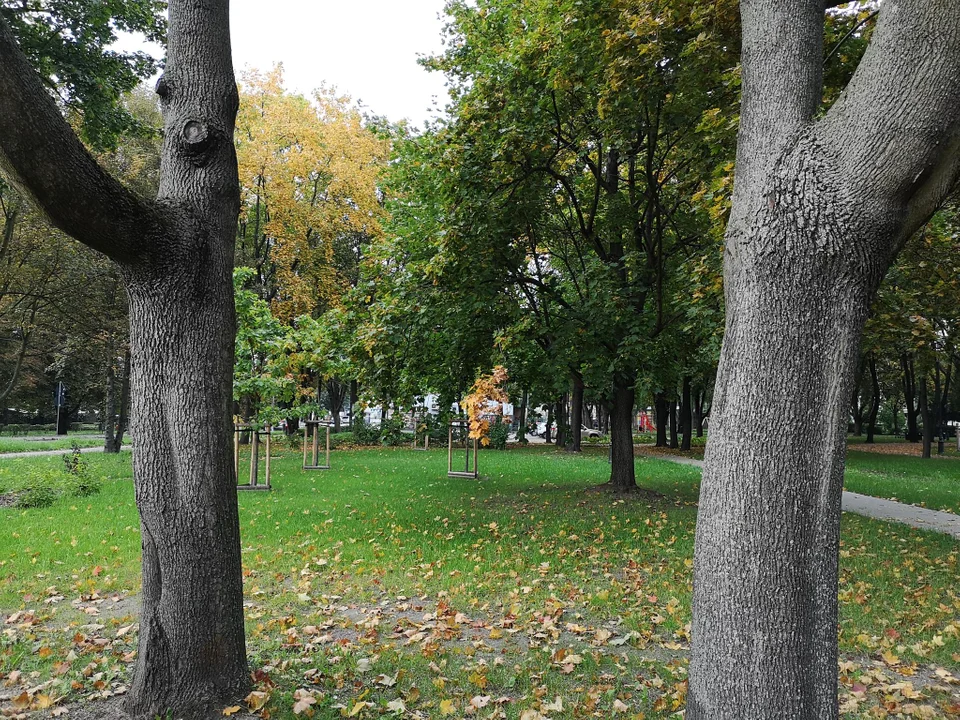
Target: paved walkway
[873, 507]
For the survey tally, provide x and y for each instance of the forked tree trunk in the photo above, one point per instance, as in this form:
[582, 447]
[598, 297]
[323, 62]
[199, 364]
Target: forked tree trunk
[622, 473]
[176, 257]
[820, 209]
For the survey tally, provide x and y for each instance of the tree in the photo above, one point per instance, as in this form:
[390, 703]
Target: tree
[821, 206]
[176, 256]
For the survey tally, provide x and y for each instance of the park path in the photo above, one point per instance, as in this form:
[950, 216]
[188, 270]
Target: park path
[877, 508]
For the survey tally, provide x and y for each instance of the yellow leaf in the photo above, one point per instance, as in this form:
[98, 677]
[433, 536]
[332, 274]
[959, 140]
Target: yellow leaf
[233, 709]
[447, 707]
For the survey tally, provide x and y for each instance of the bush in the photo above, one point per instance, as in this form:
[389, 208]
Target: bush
[499, 430]
[80, 482]
[343, 439]
[37, 496]
[391, 431]
[365, 434]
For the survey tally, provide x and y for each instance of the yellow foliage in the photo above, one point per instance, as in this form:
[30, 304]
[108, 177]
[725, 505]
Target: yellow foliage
[487, 388]
[309, 173]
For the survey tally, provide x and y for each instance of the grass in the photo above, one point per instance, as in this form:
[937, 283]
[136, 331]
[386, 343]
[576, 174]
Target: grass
[931, 482]
[22, 444]
[382, 581]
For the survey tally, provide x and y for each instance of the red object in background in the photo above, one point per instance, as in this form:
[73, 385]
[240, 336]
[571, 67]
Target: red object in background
[645, 424]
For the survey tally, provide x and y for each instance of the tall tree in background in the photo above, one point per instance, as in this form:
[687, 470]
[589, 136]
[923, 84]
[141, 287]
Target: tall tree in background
[821, 206]
[176, 256]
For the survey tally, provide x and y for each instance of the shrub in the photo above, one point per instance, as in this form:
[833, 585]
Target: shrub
[79, 480]
[365, 434]
[498, 433]
[37, 496]
[391, 431]
[342, 439]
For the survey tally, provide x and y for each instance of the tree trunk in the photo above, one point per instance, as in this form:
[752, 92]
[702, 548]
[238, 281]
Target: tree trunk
[546, 432]
[910, 394]
[622, 473]
[874, 398]
[562, 427]
[176, 257]
[819, 211]
[575, 439]
[672, 414]
[660, 408]
[686, 415]
[522, 419]
[109, 408]
[354, 396]
[336, 392]
[925, 416]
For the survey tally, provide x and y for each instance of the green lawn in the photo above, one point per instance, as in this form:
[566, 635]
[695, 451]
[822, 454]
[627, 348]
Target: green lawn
[931, 482]
[384, 582]
[43, 442]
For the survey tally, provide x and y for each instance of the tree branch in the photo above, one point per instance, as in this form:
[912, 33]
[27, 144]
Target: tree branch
[44, 158]
[907, 89]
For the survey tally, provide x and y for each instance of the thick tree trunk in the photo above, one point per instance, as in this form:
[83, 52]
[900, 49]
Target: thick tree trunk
[575, 439]
[874, 398]
[622, 473]
[661, 410]
[176, 257]
[819, 211]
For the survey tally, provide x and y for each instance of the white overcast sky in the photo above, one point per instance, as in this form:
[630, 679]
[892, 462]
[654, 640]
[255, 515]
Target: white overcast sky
[368, 49]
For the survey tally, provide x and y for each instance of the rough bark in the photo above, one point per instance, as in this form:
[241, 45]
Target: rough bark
[622, 473]
[820, 209]
[176, 257]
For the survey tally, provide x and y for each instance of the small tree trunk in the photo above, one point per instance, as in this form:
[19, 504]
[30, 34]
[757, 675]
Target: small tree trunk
[109, 409]
[910, 394]
[574, 441]
[925, 416]
[622, 473]
[660, 408]
[686, 416]
[875, 398]
[354, 396]
[672, 414]
[562, 427]
[522, 419]
[546, 433]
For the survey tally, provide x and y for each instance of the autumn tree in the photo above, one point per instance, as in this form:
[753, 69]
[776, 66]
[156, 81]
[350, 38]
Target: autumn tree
[821, 206]
[176, 257]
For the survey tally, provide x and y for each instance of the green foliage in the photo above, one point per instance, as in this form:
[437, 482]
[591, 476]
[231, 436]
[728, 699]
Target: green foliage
[67, 42]
[391, 431]
[79, 480]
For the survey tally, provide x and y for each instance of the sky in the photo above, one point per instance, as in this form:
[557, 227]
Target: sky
[365, 48]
